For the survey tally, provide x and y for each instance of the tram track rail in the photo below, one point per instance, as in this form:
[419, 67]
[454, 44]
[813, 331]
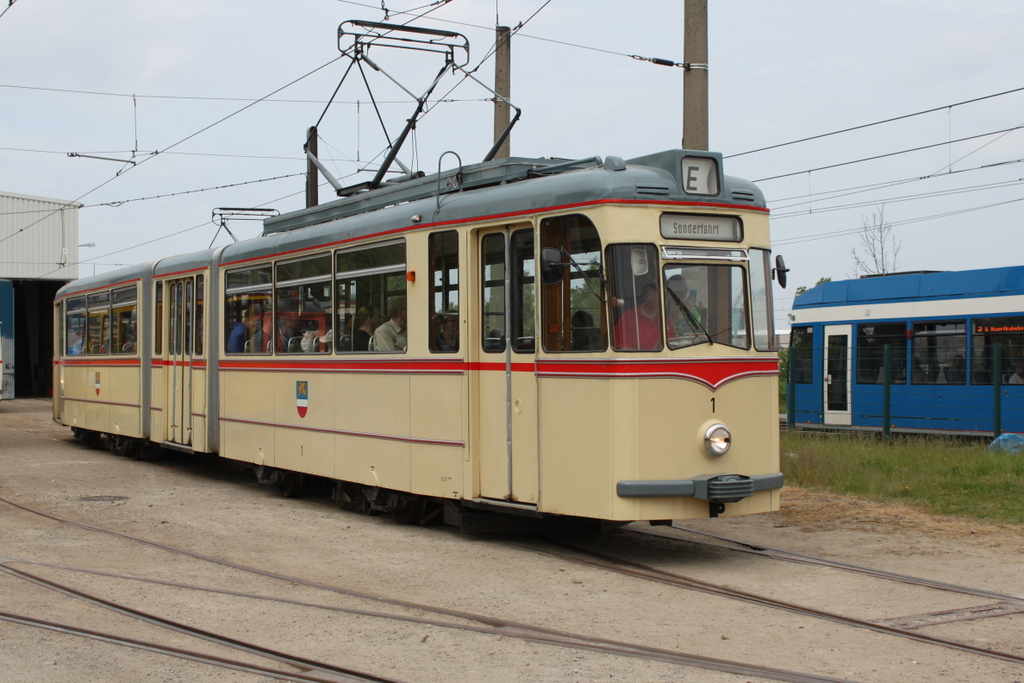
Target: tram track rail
[594, 559]
[180, 653]
[281, 657]
[800, 558]
[478, 623]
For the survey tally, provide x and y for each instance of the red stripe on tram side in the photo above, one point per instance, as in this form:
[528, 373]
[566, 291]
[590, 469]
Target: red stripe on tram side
[100, 363]
[500, 366]
[195, 363]
[411, 366]
[712, 372]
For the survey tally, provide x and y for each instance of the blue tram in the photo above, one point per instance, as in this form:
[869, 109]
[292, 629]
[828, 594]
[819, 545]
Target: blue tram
[929, 351]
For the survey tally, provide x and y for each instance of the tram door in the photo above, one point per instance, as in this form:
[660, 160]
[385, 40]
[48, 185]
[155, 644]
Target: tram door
[837, 375]
[506, 381]
[181, 309]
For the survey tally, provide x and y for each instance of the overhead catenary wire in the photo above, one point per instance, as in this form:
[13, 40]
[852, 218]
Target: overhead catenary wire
[903, 198]
[653, 60]
[909, 221]
[874, 123]
[889, 154]
[201, 98]
[179, 142]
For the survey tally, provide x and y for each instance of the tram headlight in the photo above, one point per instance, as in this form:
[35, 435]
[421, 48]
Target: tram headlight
[717, 440]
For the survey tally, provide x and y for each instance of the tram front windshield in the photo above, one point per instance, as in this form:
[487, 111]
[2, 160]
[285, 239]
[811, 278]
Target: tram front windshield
[705, 303]
[694, 303]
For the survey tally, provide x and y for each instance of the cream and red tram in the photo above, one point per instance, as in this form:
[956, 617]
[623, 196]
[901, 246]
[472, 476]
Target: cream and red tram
[586, 338]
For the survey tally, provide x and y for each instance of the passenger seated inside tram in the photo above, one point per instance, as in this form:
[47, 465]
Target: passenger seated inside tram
[956, 373]
[392, 335]
[584, 334]
[639, 328]
[1018, 374]
[366, 322]
[286, 332]
[75, 342]
[239, 335]
[313, 342]
[447, 338]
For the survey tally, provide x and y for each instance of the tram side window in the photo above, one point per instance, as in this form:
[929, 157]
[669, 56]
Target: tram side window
[524, 293]
[125, 318]
[761, 300]
[74, 326]
[371, 287]
[303, 299]
[493, 300]
[199, 329]
[871, 341]
[158, 320]
[99, 323]
[444, 292]
[575, 318]
[801, 354]
[1008, 333]
[938, 353]
[636, 304]
[248, 315]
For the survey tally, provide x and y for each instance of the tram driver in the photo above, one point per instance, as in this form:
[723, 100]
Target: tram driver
[640, 327]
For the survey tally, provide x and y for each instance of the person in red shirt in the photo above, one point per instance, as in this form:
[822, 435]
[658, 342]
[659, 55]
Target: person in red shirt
[640, 327]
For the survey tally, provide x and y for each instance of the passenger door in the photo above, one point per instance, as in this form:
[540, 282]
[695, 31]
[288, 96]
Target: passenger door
[506, 380]
[181, 308]
[837, 375]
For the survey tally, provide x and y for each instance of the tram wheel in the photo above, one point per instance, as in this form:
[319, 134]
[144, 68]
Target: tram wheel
[125, 446]
[351, 497]
[87, 437]
[292, 484]
[409, 510]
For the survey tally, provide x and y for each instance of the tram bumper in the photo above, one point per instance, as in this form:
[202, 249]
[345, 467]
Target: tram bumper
[719, 488]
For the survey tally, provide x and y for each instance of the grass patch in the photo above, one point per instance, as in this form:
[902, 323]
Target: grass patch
[941, 476]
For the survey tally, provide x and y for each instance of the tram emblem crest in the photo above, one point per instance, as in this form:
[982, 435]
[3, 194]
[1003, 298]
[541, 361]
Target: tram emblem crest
[302, 397]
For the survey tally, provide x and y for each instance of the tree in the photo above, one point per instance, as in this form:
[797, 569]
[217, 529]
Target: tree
[803, 288]
[880, 248]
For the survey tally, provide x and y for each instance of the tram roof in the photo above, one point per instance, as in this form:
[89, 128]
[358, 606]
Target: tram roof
[502, 186]
[922, 286]
[505, 187]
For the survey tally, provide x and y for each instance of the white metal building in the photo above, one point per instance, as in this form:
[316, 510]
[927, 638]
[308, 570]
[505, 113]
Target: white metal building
[38, 254]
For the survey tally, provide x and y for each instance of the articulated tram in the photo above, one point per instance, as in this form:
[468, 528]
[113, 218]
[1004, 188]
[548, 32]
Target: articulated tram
[540, 337]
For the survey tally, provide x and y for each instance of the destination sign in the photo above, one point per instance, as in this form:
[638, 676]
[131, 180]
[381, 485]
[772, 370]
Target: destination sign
[700, 175]
[684, 226]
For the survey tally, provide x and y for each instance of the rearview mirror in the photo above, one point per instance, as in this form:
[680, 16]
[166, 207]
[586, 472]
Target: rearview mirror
[551, 265]
[638, 261]
[780, 270]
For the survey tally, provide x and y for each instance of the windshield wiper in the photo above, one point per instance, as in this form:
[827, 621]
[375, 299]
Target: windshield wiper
[689, 314]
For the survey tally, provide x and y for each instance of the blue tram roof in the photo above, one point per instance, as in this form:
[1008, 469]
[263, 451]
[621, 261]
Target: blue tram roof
[909, 287]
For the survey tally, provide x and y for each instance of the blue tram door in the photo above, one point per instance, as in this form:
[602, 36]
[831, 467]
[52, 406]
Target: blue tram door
[837, 375]
[506, 382]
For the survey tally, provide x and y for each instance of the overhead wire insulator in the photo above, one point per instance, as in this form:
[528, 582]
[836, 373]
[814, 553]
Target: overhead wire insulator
[668, 62]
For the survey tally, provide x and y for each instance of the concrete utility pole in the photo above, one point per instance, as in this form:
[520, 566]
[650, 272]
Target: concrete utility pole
[502, 86]
[312, 178]
[695, 76]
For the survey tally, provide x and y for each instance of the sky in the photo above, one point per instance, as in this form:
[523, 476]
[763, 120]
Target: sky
[225, 91]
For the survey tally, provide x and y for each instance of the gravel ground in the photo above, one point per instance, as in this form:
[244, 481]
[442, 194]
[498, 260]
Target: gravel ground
[214, 507]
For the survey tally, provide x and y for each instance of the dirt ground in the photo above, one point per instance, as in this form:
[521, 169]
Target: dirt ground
[214, 507]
